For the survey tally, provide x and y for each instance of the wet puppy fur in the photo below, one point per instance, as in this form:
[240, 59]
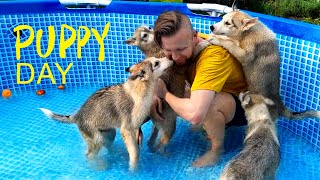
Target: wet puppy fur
[260, 157]
[124, 106]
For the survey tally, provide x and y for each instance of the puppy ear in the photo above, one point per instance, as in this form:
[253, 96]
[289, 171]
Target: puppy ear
[268, 101]
[248, 23]
[139, 75]
[128, 69]
[245, 98]
[246, 101]
[242, 95]
[133, 76]
[131, 41]
[155, 65]
[146, 26]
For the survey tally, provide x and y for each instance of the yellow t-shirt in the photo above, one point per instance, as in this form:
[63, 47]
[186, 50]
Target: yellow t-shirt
[203, 36]
[217, 70]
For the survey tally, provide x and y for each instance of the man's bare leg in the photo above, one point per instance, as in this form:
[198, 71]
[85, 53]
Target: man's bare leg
[221, 112]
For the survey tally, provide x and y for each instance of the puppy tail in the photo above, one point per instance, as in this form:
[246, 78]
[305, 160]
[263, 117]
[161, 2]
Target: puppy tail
[58, 117]
[300, 115]
[226, 175]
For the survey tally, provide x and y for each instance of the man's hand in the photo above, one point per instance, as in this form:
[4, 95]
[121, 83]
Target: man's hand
[187, 90]
[156, 109]
[162, 89]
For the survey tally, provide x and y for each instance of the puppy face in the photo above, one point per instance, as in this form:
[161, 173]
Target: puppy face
[142, 36]
[255, 105]
[233, 24]
[149, 68]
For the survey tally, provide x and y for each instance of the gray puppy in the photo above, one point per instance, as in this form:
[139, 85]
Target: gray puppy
[174, 78]
[260, 156]
[124, 106]
[256, 48]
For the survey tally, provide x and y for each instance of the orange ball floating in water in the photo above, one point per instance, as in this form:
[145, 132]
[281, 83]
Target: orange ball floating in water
[61, 87]
[6, 93]
[40, 92]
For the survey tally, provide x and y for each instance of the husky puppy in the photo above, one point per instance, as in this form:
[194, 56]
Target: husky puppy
[256, 48]
[123, 106]
[260, 156]
[143, 38]
[174, 78]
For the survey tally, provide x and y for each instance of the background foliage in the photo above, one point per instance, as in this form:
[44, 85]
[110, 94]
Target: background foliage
[302, 10]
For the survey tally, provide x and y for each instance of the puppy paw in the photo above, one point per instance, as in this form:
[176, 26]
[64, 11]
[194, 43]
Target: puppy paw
[152, 149]
[163, 150]
[209, 158]
[151, 146]
[133, 166]
[221, 39]
[98, 163]
[214, 40]
[197, 128]
[166, 154]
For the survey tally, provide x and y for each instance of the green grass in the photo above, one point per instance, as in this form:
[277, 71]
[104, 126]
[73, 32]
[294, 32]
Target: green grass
[305, 10]
[312, 21]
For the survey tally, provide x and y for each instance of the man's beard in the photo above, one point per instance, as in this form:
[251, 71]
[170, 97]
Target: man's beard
[183, 65]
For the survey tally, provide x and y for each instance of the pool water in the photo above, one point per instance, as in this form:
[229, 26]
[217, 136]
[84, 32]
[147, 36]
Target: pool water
[34, 146]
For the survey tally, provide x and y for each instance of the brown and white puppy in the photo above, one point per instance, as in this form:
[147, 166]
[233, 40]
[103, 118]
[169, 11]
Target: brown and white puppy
[143, 38]
[260, 157]
[174, 78]
[256, 48]
[124, 106]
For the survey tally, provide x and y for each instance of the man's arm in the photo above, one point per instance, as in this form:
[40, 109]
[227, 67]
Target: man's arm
[193, 109]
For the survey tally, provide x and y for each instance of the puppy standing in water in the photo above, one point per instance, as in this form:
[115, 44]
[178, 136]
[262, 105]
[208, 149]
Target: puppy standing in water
[123, 106]
[175, 81]
[256, 48]
[260, 156]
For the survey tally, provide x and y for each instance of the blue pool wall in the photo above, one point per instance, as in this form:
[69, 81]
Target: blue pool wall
[299, 45]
